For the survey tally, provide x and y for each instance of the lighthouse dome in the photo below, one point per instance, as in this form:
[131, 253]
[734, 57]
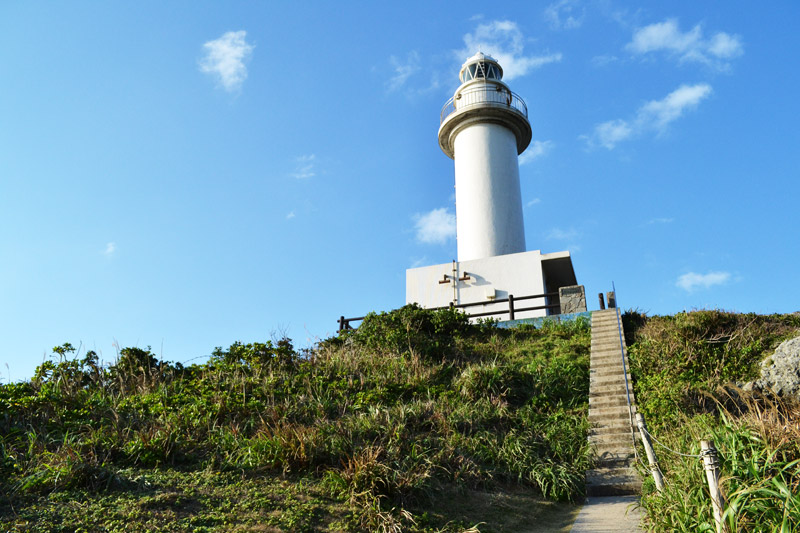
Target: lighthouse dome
[480, 67]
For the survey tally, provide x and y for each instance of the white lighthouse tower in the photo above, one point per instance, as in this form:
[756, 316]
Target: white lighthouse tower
[483, 128]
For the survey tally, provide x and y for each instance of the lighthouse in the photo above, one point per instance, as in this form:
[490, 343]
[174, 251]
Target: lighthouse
[484, 127]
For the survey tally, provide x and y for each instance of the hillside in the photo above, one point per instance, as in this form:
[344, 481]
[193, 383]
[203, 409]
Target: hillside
[418, 421]
[687, 369]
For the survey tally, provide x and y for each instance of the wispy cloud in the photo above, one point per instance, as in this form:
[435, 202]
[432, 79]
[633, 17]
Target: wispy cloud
[503, 40]
[225, 59]
[533, 202]
[564, 14]
[436, 226]
[402, 70]
[290, 215]
[419, 261]
[655, 115]
[603, 60]
[110, 249]
[562, 234]
[689, 46]
[691, 281]
[535, 150]
[304, 167]
[661, 220]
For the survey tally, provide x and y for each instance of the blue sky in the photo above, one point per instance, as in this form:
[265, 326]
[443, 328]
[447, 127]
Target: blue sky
[183, 175]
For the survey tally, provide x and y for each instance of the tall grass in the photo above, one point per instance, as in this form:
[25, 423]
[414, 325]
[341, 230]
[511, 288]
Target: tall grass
[381, 418]
[685, 372]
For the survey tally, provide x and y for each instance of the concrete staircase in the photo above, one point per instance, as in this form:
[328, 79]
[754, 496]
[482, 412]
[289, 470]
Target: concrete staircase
[610, 420]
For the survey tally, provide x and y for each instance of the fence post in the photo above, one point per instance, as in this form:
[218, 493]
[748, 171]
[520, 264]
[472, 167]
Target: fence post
[612, 300]
[602, 301]
[511, 307]
[651, 455]
[341, 323]
[711, 466]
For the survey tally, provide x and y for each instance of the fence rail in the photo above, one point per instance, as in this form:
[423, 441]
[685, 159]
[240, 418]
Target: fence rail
[489, 94]
[511, 311]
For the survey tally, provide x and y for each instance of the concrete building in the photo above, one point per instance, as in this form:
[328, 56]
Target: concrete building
[484, 128]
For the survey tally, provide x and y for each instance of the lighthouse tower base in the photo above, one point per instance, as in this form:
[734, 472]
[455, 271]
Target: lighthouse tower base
[487, 283]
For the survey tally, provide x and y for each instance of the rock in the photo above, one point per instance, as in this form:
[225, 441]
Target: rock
[781, 371]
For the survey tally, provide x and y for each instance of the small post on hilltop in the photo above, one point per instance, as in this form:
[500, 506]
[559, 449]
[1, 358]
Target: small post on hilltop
[651, 455]
[602, 301]
[341, 323]
[711, 466]
[612, 299]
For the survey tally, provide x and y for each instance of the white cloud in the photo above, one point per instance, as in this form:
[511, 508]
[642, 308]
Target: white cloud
[110, 249]
[304, 167]
[655, 115]
[561, 234]
[225, 58]
[535, 150]
[435, 227]
[290, 215]
[403, 70]
[692, 281]
[608, 134]
[533, 202]
[661, 220]
[503, 40]
[659, 113]
[687, 46]
[603, 60]
[564, 14]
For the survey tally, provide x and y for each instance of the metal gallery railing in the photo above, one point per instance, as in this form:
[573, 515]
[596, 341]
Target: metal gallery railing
[511, 310]
[489, 94]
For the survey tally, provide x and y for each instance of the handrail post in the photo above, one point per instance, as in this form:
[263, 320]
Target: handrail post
[651, 455]
[341, 323]
[711, 466]
[511, 307]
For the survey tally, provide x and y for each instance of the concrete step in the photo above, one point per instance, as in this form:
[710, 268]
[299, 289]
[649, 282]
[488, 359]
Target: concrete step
[612, 440]
[609, 333]
[605, 359]
[609, 351]
[612, 427]
[613, 356]
[608, 401]
[598, 392]
[607, 370]
[619, 455]
[607, 364]
[623, 428]
[609, 380]
[606, 413]
[612, 482]
[606, 348]
[610, 389]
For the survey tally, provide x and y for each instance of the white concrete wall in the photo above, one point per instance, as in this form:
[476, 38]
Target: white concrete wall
[518, 274]
[488, 200]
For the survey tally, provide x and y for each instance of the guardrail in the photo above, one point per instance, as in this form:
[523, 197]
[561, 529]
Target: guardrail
[493, 95]
[511, 311]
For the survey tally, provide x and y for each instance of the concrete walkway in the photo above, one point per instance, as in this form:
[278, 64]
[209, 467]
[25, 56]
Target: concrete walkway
[609, 514]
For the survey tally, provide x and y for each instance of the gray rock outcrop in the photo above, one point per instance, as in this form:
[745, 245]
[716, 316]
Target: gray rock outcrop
[781, 371]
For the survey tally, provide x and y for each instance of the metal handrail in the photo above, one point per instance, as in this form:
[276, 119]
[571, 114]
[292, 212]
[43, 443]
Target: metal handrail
[511, 310]
[488, 94]
[624, 367]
